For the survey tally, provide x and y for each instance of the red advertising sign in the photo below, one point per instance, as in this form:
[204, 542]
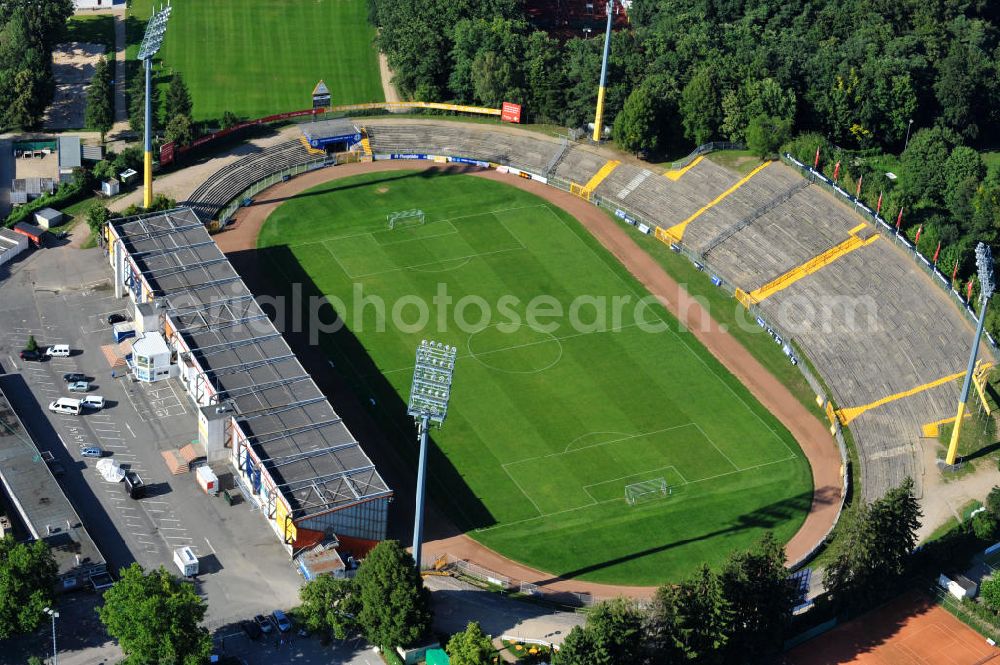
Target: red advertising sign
[510, 112]
[166, 153]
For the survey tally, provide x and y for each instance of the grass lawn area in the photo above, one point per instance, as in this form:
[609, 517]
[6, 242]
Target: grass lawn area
[552, 414]
[98, 29]
[738, 161]
[258, 57]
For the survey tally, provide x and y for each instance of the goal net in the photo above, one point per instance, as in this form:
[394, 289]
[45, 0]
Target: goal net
[647, 490]
[403, 218]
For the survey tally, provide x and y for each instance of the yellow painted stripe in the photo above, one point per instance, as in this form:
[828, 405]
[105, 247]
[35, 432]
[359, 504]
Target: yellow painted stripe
[809, 267]
[850, 413]
[857, 228]
[603, 173]
[311, 150]
[675, 174]
[677, 231]
[366, 146]
[933, 430]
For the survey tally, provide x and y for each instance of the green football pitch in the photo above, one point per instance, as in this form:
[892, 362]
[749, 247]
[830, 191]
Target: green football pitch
[258, 57]
[552, 415]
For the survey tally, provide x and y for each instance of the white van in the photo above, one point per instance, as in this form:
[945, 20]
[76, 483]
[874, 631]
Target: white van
[66, 405]
[58, 351]
[92, 402]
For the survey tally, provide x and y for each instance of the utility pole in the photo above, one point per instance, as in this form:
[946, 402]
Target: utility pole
[599, 118]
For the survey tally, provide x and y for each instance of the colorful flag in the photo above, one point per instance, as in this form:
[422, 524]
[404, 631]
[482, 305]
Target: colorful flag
[857, 194]
[816, 161]
[968, 290]
[836, 172]
[918, 234]
[954, 272]
[878, 207]
[899, 218]
[936, 252]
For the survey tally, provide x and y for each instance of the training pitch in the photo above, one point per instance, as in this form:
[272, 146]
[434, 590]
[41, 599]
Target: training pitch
[549, 421]
[258, 57]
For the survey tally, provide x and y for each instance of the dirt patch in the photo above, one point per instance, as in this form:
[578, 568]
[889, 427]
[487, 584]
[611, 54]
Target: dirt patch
[813, 438]
[73, 66]
[382, 190]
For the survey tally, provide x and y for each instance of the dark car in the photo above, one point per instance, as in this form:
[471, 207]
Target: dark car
[73, 377]
[116, 318]
[251, 629]
[28, 354]
[264, 623]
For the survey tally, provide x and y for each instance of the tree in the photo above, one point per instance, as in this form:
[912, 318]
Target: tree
[761, 596]
[993, 501]
[615, 627]
[137, 102]
[871, 557]
[700, 107]
[963, 171]
[329, 604]
[180, 130]
[989, 591]
[156, 618]
[984, 525]
[635, 128]
[923, 161]
[27, 580]
[577, 648]
[470, 647]
[100, 113]
[229, 119]
[178, 100]
[689, 621]
[395, 606]
[32, 345]
[766, 134]
[97, 217]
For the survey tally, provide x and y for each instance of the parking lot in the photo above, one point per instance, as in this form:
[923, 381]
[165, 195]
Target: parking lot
[244, 570]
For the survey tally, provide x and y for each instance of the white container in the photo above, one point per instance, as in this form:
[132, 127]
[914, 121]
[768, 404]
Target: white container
[207, 480]
[186, 561]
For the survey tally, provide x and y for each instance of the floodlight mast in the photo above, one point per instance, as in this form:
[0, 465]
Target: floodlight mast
[984, 264]
[599, 117]
[151, 42]
[429, 396]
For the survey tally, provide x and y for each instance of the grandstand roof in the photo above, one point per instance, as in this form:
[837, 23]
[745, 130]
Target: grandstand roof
[326, 129]
[303, 443]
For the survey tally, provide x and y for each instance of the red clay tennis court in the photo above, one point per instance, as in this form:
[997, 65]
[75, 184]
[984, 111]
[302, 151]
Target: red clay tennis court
[910, 630]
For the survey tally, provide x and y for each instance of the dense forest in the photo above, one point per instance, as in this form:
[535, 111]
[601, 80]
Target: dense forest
[29, 29]
[859, 79]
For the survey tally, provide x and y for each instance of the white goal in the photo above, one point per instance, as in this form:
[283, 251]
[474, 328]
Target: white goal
[647, 490]
[404, 218]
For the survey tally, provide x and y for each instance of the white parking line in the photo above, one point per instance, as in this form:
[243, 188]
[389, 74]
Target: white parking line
[210, 546]
[62, 441]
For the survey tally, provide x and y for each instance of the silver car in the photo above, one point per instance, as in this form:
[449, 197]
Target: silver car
[79, 387]
[91, 451]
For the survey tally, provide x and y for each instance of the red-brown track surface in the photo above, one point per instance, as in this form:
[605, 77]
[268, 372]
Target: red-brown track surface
[813, 438]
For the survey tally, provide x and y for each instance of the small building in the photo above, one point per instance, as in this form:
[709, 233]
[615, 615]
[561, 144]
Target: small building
[324, 559]
[70, 157]
[46, 218]
[11, 244]
[110, 187]
[127, 175]
[959, 586]
[151, 357]
[35, 234]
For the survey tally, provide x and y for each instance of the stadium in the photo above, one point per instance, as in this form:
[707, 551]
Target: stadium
[827, 284]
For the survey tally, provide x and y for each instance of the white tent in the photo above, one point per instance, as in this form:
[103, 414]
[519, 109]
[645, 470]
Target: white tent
[109, 469]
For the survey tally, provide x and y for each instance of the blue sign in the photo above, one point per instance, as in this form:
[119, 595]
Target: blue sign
[407, 156]
[466, 160]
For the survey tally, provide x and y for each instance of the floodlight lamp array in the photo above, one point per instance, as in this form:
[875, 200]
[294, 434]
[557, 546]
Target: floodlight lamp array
[984, 262]
[432, 375]
[155, 30]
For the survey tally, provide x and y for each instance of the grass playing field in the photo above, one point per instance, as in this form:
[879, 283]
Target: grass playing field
[258, 57]
[549, 420]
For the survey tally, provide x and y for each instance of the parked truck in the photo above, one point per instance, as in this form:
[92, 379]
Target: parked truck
[186, 561]
[134, 486]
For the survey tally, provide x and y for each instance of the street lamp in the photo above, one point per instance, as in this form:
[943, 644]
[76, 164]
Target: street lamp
[984, 264]
[599, 116]
[151, 42]
[907, 141]
[429, 395]
[55, 615]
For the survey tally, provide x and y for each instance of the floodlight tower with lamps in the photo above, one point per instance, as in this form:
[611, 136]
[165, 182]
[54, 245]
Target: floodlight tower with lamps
[429, 395]
[55, 615]
[151, 42]
[599, 117]
[984, 264]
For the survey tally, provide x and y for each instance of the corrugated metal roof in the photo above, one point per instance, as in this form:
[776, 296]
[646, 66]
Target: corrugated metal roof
[69, 152]
[305, 446]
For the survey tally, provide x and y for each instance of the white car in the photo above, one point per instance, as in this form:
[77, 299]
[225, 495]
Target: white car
[58, 351]
[92, 402]
[66, 405]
